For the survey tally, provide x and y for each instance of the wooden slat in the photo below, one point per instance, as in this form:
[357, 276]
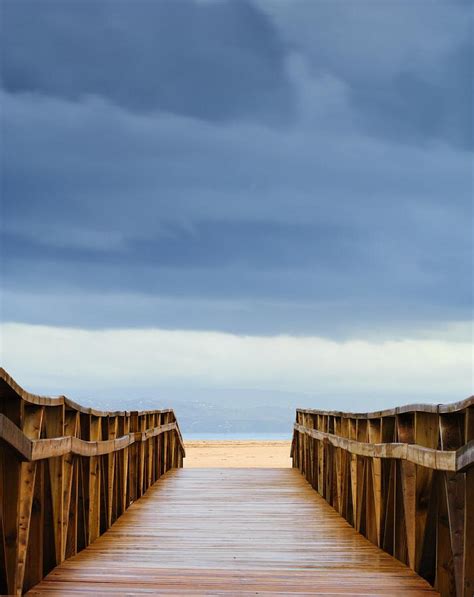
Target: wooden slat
[232, 532]
[40, 449]
[390, 412]
[94, 484]
[54, 422]
[440, 460]
[468, 588]
[7, 382]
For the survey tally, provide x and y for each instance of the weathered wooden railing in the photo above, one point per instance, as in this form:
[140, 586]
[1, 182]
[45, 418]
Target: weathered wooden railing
[404, 478]
[67, 473]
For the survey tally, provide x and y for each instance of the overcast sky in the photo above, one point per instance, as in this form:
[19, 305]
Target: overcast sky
[261, 195]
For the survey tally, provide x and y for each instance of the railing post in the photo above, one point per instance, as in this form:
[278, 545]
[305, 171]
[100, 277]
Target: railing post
[452, 500]
[94, 483]
[133, 460]
[165, 445]
[19, 484]
[353, 470]
[468, 565]
[314, 454]
[426, 434]
[468, 589]
[361, 468]
[321, 457]
[125, 457]
[172, 440]
[69, 518]
[295, 444]
[151, 423]
[141, 457]
[112, 429]
[157, 443]
[54, 421]
[389, 475]
[374, 486]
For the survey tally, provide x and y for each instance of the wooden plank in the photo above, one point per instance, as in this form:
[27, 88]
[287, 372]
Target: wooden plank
[141, 458]
[388, 537]
[3, 562]
[232, 532]
[71, 428]
[54, 424]
[406, 434]
[321, 459]
[11, 488]
[400, 550]
[32, 422]
[361, 473]
[7, 383]
[112, 425]
[468, 588]
[426, 434]
[375, 436]
[71, 538]
[451, 460]
[452, 438]
[166, 450]
[94, 484]
[445, 580]
[390, 412]
[468, 567]
[133, 461]
[34, 564]
[408, 480]
[150, 453]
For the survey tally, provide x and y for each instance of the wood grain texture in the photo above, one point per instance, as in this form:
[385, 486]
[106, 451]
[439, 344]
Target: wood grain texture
[442, 460]
[232, 532]
[390, 412]
[406, 486]
[67, 473]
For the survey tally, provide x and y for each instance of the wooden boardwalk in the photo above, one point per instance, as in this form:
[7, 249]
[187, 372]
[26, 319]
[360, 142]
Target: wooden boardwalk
[232, 532]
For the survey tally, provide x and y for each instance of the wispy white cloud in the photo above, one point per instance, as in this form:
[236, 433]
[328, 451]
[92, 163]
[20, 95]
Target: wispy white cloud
[144, 358]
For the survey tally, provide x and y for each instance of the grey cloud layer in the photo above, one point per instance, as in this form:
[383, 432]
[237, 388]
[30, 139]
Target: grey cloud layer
[217, 167]
[214, 61]
[407, 65]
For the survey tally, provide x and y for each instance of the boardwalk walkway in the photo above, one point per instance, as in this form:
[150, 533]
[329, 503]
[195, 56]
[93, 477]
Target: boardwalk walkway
[232, 532]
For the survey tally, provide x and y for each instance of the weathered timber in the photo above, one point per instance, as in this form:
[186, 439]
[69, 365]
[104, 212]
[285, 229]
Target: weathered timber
[236, 532]
[66, 476]
[403, 478]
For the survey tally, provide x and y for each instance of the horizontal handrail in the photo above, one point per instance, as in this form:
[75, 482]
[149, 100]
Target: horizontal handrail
[391, 412]
[70, 404]
[39, 449]
[440, 460]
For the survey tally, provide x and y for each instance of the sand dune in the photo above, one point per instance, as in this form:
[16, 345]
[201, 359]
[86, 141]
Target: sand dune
[237, 453]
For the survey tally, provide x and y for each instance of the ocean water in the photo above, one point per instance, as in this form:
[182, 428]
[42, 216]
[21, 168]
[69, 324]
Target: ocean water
[236, 436]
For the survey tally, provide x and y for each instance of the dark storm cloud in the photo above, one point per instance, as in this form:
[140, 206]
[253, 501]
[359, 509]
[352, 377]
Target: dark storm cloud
[215, 60]
[202, 165]
[412, 107]
[408, 66]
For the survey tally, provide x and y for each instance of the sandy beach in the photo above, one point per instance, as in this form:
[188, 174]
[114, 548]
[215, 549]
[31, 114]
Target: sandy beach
[237, 453]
